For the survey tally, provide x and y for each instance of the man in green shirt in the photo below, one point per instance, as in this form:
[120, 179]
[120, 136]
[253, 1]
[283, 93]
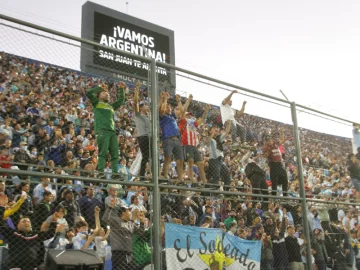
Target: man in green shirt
[104, 124]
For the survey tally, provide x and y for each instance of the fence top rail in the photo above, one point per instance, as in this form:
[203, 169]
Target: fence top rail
[71, 177]
[165, 65]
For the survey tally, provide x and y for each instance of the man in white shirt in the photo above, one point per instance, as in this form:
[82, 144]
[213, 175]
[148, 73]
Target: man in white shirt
[227, 113]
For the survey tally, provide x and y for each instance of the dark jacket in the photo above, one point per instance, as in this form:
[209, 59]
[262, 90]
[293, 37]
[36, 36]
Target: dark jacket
[281, 258]
[87, 207]
[25, 210]
[72, 211]
[321, 253]
[41, 212]
[122, 232]
[293, 248]
[22, 157]
[24, 248]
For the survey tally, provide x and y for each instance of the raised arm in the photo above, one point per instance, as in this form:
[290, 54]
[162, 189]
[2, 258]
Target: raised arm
[186, 106]
[121, 98]
[179, 103]
[106, 236]
[89, 240]
[165, 96]
[136, 97]
[97, 218]
[92, 94]
[228, 98]
[241, 112]
[15, 207]
[210, 136]
[282, 136]
[140, 230]
[160, 101]
[203, 118]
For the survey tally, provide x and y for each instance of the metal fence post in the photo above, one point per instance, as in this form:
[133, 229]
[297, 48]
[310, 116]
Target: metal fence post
[302, 188]
[155, 168]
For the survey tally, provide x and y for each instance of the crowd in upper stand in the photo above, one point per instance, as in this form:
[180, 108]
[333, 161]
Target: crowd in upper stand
[47, 124]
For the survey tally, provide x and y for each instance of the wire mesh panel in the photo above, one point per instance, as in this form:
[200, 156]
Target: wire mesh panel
[111, 223]
[204, 230]
[59, 121]
[329, 180]
[67, 118]
[79, 149]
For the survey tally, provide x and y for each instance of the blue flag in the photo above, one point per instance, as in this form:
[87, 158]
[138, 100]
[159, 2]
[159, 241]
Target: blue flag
[198, 248]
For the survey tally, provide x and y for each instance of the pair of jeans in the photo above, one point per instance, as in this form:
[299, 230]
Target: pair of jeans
[145, 146]
[237, 130]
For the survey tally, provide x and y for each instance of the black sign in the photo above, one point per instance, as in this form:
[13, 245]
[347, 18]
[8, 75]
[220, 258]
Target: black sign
[118, 34]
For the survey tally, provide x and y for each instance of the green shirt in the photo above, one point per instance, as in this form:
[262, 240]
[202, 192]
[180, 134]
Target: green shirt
[228, 221]
[103, 111]
[141, 249]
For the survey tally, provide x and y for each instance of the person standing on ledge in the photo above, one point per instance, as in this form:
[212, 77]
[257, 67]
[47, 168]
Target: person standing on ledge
[104, 124]
[143, 125]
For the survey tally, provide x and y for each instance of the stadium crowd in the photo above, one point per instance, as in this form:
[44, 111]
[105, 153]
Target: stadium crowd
[50, 123]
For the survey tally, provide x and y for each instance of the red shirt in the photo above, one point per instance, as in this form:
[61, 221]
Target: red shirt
[275, 154]
[5, 165]
[188, 132]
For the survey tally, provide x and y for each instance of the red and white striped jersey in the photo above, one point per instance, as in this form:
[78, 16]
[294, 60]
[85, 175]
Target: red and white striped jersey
[188, 132]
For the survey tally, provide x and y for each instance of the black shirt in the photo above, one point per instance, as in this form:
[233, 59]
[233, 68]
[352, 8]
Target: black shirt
[293, 249]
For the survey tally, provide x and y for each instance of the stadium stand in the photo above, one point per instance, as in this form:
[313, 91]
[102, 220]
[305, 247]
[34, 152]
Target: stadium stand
[47, 125]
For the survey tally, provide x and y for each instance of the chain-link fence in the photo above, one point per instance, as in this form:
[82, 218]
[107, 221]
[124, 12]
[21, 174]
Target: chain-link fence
[331, 188]
[134, 177]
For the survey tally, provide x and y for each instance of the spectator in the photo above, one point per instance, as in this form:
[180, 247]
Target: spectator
[278, 174]
[170, 137]
[230, 219]
[142, 123]
[88, 204]
[135, 205]
[71, 206]
[42, 210]
[38, 193]
[227, 113]
[105, 125]
[293, 249]
[354, 170]
[320, 254]
[189, 138]
[27, 208]
[218, 169]
[121, 235]
[22, 156]
[208, 213]
[24, 244]
[113, 194]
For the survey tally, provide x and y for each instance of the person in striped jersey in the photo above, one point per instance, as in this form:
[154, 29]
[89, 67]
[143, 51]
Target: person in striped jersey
[188, 126]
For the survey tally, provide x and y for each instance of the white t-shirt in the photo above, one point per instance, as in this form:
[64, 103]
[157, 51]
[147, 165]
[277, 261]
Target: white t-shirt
[138, 207]
[227, 113]
[100, 246]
